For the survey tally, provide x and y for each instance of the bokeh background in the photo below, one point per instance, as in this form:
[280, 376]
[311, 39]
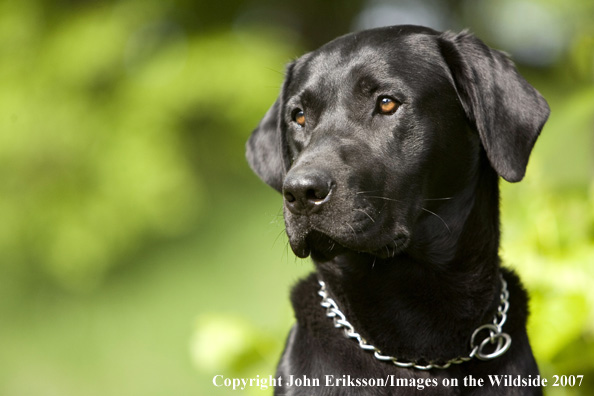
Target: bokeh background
[138, 253]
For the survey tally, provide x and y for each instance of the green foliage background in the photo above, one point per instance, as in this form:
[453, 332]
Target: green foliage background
[140, 256]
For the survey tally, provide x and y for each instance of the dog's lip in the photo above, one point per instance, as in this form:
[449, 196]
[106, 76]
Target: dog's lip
[299, 245]
[323, 245]
[300, 249]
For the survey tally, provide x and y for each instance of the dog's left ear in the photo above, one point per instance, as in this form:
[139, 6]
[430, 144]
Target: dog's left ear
[507, 111]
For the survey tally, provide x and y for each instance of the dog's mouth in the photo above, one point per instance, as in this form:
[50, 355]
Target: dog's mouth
[322, 246]
[347, 222]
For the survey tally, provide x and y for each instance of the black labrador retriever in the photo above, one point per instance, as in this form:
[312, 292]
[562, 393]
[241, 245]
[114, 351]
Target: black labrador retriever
[387, 146]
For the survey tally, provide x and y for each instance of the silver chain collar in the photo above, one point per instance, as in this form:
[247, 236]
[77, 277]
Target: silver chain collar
[496, 336]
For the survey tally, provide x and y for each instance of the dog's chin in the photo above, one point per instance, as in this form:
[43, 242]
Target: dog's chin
[395, 247]
[324, 247]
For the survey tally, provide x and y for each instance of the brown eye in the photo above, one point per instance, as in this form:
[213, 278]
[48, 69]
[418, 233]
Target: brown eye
[387, 105]
[299, 117]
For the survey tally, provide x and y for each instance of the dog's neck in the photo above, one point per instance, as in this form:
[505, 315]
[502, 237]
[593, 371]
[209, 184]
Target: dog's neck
[395, 303]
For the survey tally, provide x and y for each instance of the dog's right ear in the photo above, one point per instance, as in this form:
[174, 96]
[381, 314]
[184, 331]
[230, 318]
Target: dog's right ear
[266, 148]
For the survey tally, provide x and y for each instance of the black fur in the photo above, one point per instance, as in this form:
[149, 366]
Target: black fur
[400, 211]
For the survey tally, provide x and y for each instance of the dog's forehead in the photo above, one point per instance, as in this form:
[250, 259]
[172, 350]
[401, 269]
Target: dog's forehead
[339, 61]
[361, 56]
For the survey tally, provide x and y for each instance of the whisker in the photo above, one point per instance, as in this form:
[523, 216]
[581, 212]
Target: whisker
[366, 192]
[395, 244]
[439, 217]
[286, 252]
[385, 198]
[270, 69]
[438, 199]
[281, 232]
[367, 214]
[352, 229]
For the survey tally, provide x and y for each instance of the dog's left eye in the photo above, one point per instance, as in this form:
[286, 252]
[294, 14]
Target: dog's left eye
[298, 116]
[387, 105]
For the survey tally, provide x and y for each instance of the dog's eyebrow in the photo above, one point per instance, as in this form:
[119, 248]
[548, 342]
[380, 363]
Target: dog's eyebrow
[314, 101]
[367, 85]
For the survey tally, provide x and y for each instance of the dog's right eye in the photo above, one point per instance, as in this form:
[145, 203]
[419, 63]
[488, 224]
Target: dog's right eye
[299, 117]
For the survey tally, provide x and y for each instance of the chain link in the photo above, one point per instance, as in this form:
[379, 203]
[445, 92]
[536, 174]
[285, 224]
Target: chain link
[496, 337]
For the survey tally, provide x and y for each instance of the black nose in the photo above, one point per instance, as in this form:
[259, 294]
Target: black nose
[306, 191]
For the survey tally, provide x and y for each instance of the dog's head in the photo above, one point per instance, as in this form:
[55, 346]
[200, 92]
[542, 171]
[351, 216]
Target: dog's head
[374, 124]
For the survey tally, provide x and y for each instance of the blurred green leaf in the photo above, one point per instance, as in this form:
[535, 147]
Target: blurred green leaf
[229, 344]
[94, 158]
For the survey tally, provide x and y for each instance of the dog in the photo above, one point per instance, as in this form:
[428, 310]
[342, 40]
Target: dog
[387, 146]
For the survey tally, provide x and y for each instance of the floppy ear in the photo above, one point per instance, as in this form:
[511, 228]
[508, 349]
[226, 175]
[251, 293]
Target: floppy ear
[507, 111]
[264, 148]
